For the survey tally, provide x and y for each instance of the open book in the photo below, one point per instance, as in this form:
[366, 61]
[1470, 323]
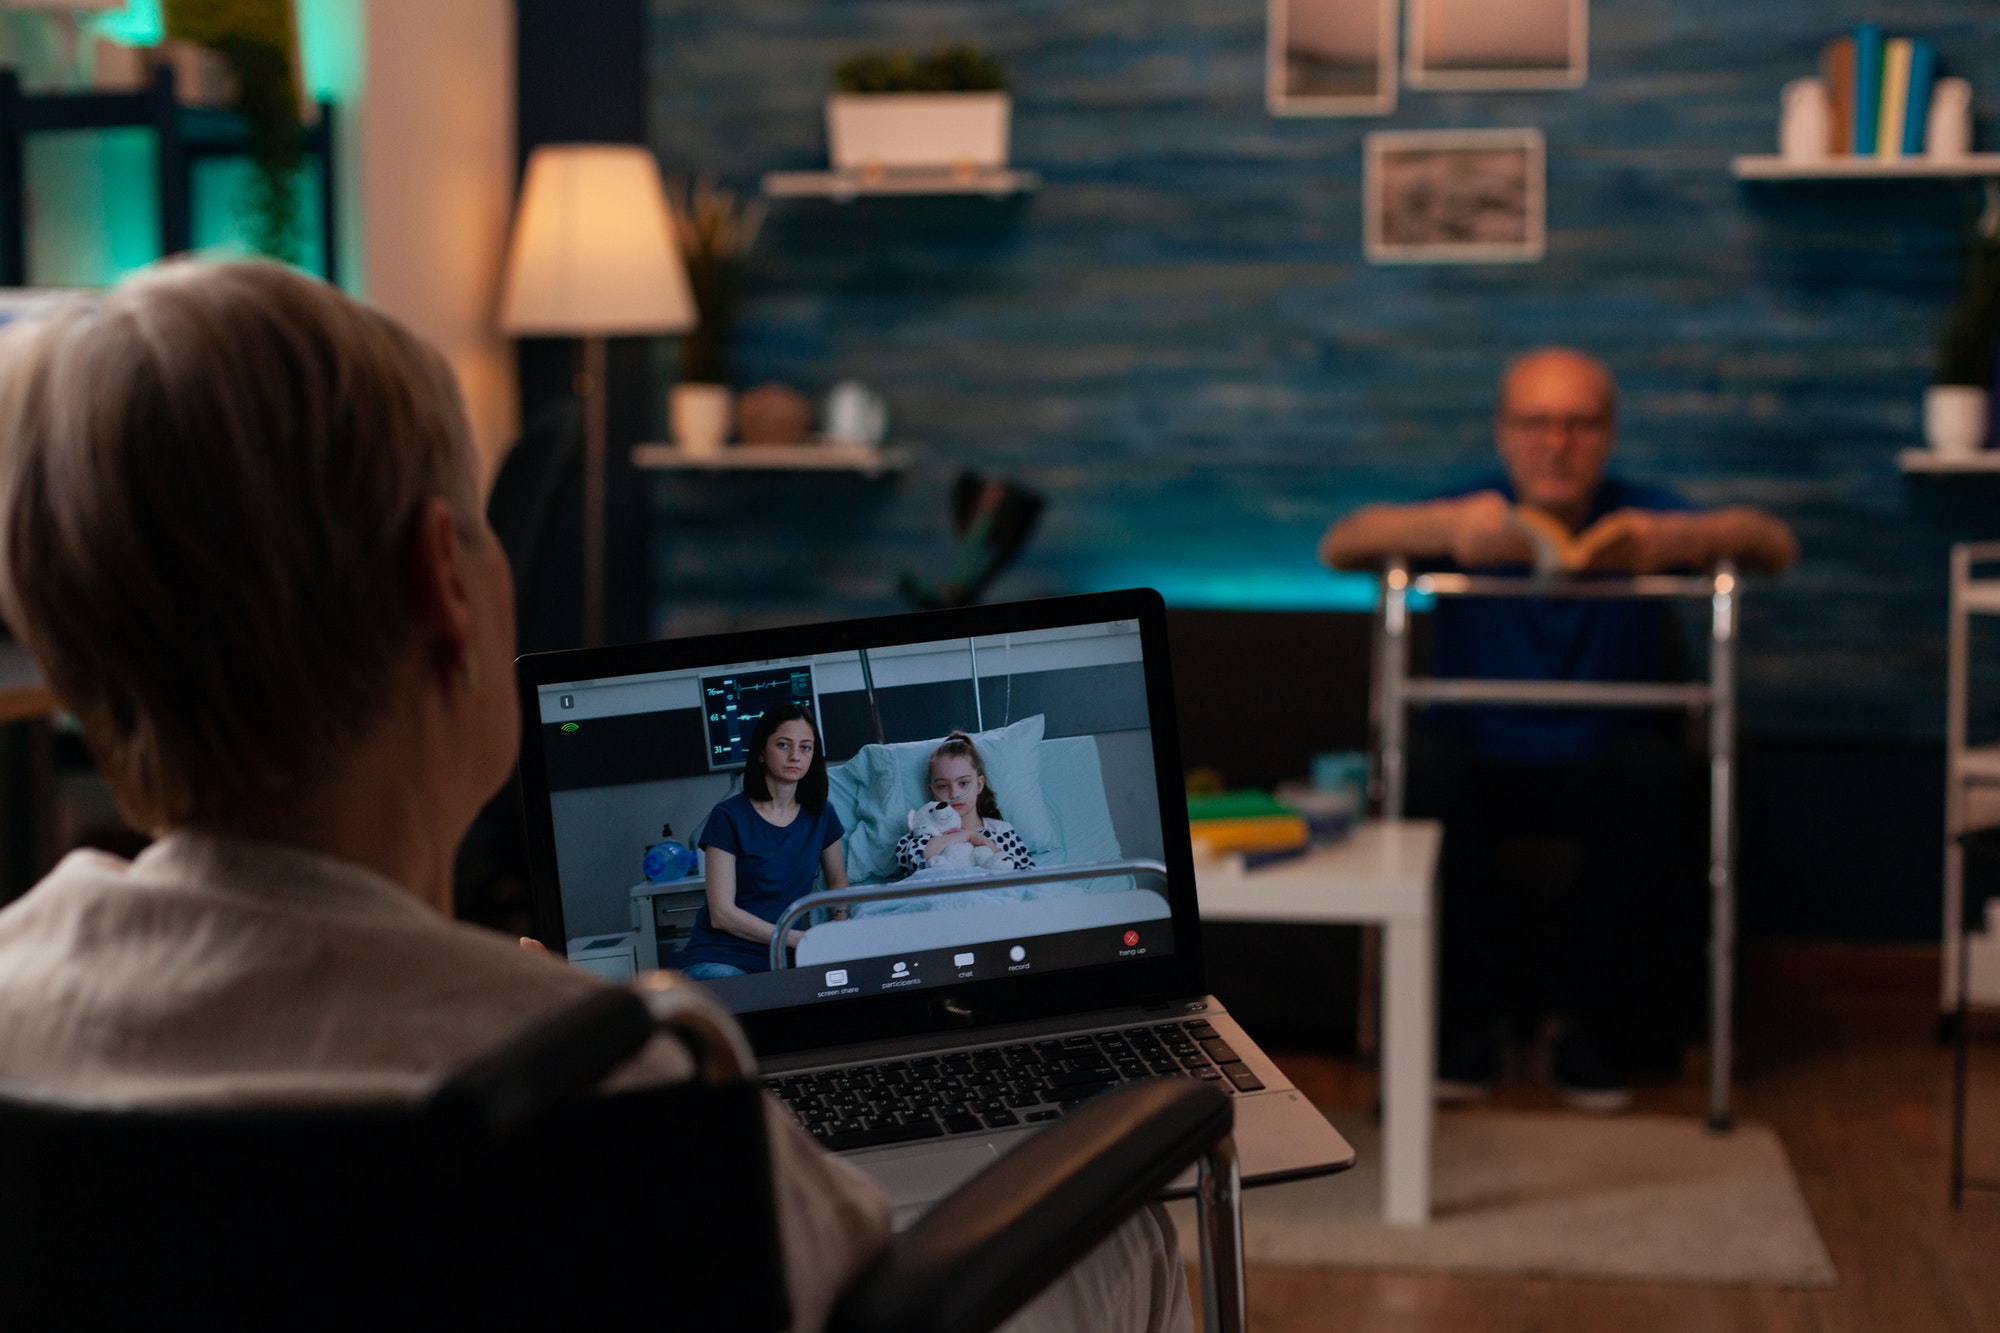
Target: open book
[1559, 551]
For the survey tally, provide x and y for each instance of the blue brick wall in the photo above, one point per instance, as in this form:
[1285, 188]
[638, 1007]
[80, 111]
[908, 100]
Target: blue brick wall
[1178, 342]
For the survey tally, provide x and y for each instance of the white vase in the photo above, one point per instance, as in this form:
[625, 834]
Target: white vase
[1955, 419]
[873, 132]
[700, 416]
[1948, 127]
[1806, 125]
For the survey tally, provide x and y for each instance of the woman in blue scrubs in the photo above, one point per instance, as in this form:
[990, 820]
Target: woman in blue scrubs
[764, 847]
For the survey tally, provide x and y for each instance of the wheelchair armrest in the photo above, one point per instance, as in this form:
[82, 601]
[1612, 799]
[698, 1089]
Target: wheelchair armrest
[557, 1059]
[992, 1245]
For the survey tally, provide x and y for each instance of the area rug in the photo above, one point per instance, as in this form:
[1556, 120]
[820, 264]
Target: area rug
[1552, 1194]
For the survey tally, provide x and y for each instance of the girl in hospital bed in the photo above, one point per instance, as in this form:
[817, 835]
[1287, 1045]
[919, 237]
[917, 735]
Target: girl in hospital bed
[764, 848]
[958, 778]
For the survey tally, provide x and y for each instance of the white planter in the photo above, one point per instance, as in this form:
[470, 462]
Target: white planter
[700, 417]
[1955, 419]
[913, 131]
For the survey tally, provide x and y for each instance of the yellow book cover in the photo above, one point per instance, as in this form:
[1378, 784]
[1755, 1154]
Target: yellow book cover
[1895, 97]
[1267, 833]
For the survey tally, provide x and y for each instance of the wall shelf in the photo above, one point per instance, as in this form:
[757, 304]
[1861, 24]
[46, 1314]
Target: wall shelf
[846, 186]
[1925, 460]
[1771, 167]
[865, 459]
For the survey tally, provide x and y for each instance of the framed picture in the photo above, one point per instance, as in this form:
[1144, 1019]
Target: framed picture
[1331, 58]
[1497, 43]
[1454, 196]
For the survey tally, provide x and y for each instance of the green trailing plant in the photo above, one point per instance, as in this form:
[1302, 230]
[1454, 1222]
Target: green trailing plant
[715, 232]
[1965, 353]
[955, 69]
[256, 39]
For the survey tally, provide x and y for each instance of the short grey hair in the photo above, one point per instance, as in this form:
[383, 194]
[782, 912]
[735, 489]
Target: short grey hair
[209, 482]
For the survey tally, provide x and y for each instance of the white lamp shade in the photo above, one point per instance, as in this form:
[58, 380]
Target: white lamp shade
[593, 250]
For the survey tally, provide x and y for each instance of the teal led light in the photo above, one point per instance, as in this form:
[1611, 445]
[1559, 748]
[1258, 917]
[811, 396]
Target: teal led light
[1302, 588]
[140, 23]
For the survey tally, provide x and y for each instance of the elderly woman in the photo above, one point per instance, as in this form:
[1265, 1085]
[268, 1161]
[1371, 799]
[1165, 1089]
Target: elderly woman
[240, 531]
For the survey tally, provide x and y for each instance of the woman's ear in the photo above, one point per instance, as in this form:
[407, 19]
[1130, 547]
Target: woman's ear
[440, 585]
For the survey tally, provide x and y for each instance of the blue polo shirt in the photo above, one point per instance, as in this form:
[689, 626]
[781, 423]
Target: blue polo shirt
[1524, 638]
[775, 867]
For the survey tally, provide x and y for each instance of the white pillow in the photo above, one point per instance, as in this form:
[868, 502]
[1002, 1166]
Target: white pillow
[881, 784]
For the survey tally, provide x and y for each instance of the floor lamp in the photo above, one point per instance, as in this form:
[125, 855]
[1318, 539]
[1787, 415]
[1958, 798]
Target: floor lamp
[593, 256]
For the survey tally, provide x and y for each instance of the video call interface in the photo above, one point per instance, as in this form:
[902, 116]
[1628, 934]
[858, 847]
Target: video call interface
[646, 778]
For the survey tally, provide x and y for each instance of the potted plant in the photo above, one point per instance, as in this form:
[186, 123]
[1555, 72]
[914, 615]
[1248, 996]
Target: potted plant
[1955, 407]
[948, 109]
[715, 232]
[258, 41]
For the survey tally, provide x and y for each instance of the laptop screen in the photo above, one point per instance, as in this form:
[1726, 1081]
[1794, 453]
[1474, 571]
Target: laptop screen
[981, 797]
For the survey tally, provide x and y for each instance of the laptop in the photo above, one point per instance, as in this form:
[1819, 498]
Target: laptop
[925, 1021]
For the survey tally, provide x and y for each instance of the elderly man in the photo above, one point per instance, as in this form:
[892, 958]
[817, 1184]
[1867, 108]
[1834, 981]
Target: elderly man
[1612, 780]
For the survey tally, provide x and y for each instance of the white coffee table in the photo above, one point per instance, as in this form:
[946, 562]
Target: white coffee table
[1384, 874]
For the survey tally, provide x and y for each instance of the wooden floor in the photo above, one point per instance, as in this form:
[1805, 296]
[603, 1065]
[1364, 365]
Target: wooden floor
[1839, 1054]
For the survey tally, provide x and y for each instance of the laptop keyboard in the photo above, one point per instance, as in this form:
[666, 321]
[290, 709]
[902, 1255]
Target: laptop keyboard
[994, 1087]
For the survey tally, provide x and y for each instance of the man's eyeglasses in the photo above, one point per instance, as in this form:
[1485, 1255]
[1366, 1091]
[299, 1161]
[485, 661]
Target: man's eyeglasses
[1593, 426]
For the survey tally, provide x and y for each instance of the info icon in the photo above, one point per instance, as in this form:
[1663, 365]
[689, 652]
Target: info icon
[1131, 938]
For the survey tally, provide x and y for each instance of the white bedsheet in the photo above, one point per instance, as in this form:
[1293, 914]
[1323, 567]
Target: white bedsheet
[978, 923]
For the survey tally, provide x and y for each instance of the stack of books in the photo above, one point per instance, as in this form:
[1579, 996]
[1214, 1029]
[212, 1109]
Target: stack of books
[1880, 92]
[1252, 823]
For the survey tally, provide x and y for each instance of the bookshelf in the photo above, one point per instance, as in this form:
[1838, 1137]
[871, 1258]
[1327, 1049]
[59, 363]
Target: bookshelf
[1929, 461]
[1771, 167]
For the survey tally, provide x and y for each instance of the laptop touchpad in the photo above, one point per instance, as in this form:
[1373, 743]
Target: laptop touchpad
[915, 1176]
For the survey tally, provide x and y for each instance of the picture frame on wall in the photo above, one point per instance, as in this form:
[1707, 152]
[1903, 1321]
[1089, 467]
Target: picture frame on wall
[1489, 44]
[1454, 196]
[1330, 58]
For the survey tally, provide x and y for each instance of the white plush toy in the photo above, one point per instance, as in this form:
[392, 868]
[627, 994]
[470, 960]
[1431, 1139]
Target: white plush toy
[938, 817]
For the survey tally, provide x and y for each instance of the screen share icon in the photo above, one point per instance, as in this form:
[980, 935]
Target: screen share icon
[837, 977]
